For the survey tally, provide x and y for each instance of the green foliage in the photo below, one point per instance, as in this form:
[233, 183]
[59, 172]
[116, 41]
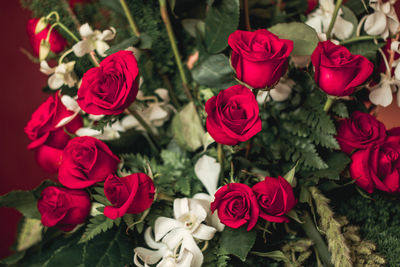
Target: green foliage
[107, 120]
[367, 49]
[231, 238]
[97, 225]
[215, 255]
[222, 19]
[340, 109]
[131, 41]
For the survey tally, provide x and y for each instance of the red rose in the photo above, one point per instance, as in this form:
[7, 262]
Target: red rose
[275, 198]
[62, 207]
[57, 42]
[260, 58]
[337, 71]
[48, 140]
[86, 161]
[359, 132]
[233, 115]
[378, 166]
[111, 87]
[130, 194]
[236, 205]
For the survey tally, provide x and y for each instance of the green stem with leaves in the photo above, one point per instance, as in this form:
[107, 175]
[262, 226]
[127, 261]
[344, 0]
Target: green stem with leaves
[333, 19]
[171, 36]
[128, 15]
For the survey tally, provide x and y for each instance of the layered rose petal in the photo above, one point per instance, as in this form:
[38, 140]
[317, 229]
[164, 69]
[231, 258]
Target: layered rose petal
[86, 161]
[259, 58]
[111, 87]
[337, 71]
[64, 208]
[131, 194]
[48, 158]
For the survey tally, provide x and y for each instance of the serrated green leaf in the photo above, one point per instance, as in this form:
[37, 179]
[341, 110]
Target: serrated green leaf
[222, 19]
[304, 38]
[340, 109]
[231, 238]
[101, 199]
[97, 225]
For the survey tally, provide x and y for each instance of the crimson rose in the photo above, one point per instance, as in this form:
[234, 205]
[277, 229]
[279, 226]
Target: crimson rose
[275, 197]
[260, 58]
[49, 138]
[86, 161]
[57, 42]
[360, 131]
[62, 207]
[233, 115]
[236, 205]
[111, 87]
[337, 71]
[130, 194]
[378, 166]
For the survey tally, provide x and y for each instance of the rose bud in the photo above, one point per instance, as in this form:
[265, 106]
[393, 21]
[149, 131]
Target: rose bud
[48, 135]
[337, 71]
[275, 197]
[86, 161]
[63, 208]
[236, 205]
[111, 87]
[57, 42]
[378, 166]
[130, 194]
[259, 58]
[359, 132]
[233, 115]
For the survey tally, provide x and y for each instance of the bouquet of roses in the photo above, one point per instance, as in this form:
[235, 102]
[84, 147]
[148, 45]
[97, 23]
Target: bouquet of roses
[190, 133]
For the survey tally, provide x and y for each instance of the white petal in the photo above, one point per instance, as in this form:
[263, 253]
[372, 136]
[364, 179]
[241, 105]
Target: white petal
[55, 82]
[108, 34]
[204, 232]
[397, 72]
[148, 238]
[157, 113]
[207, 169]
[45, 68]
[129, 122]
[198, 210]
[147, 256]
[174, 238]
[185, 259]
[261, 95]
[342, 28]
[315, 23]
[398, 97]
[85, 30]
[375, 24]
[189, 244]
[181, 206]
[82, 48]
[84, 131]
[101, 47]
[65, 121]
[281, 92]
[163, 94]
[381, 95]
[163, 225]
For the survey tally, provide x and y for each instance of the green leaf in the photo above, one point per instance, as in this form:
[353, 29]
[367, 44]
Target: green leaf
[29, 233]
[215, 71]
[304, 38]
[187, 129]
[290, 175]
[122, 45]
[340, 109]
[367, 49]
[97, 225]
[293, 214]
[222, 19]
[276, 255]
[337, 162]
[238, 241]
[25, 201]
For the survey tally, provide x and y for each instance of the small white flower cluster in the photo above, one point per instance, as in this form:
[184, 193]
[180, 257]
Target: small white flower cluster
[175, 241]
[383, 21]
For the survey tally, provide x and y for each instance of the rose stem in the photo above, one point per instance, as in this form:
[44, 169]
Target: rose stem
[128, 15]
[142, 122]
[246, 15]
[359, 38]
[167, 23]
[312, 232]
[221, 157]
[328, 104]
[333, 19]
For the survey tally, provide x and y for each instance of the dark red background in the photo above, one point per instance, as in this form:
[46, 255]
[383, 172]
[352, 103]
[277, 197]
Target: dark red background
[21, 83]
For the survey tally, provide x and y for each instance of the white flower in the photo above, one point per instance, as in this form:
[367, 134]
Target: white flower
[60, 75]
[382, 93]
[109, 132]
[383, 21]
[320, 19]
[280, 92]
[93, 40]
[71, 104]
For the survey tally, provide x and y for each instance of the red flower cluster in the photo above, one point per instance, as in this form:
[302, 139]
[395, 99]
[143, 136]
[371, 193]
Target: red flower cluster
[376, 152]
[238, 204]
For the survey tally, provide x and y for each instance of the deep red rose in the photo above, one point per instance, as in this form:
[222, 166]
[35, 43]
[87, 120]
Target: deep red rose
[48, 140]
[275, 197]
[111, 87]
[86, 161]
[64, 208]
[57, 42]
[260, 58]
[130, 194]
[311, 5]
[233, 115]
[236, 205]
[337, 71]
[359, 132]
[378, 166]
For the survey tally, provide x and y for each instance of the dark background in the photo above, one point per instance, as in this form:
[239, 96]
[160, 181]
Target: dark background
[21, 83]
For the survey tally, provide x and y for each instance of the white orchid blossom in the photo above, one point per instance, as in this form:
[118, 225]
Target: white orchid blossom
[383, 21]
[207, 169]
[179, 234]
[280, 92]
[382, 93]
[109, 132]
[93, 40]
[321, 18]
[60, 75]
[71, 105]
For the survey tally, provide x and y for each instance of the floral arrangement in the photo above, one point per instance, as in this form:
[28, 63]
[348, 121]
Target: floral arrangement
[207, 136]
